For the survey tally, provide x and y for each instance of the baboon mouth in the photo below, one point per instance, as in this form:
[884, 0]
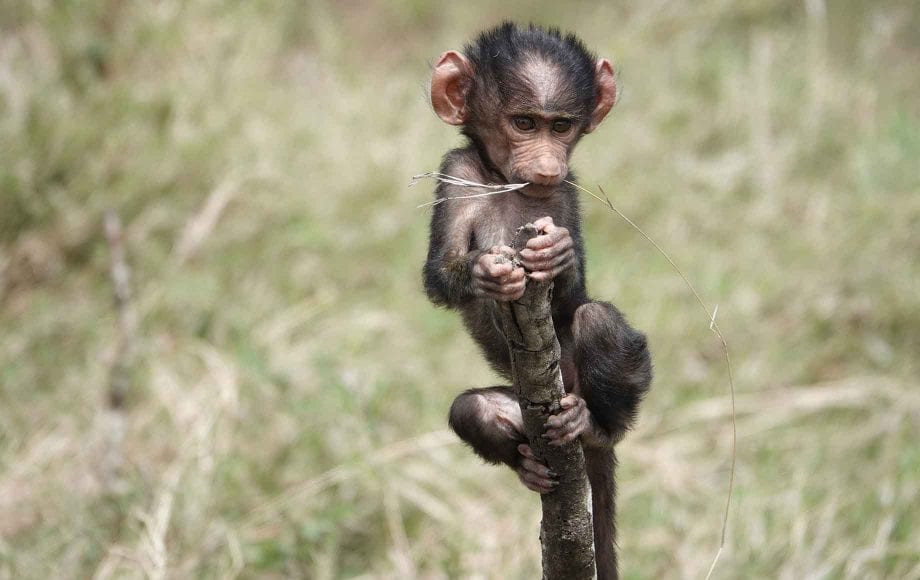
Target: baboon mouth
[539, 189]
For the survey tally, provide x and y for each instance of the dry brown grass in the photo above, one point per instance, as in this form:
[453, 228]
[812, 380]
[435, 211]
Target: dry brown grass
[287, 407]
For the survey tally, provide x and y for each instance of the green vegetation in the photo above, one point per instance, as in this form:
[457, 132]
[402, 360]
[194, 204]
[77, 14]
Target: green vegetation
[287, 411]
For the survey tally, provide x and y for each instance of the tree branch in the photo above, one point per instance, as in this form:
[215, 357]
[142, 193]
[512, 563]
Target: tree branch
[566, 533]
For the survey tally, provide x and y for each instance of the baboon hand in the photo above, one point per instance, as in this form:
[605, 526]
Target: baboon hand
[496, 276]
[548, 255]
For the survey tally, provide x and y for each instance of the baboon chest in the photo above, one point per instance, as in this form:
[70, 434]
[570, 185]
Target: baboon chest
[499, 222]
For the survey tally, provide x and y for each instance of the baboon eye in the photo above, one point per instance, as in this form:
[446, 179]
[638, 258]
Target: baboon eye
[562, 125]
[524, 123]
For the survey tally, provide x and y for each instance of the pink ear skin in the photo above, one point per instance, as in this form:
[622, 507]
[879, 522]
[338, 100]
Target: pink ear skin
[450, 82]
[606, 93]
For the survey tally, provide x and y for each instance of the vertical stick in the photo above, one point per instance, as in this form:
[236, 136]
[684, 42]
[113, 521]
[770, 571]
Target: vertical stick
[123, 357]
[566, 533]
[119, 377]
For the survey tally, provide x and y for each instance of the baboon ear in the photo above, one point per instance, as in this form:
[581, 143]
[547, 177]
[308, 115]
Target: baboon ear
[450, 82]
[607, 94]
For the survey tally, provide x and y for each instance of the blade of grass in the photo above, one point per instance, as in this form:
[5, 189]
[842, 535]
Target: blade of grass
[444, 178]
[714, 327]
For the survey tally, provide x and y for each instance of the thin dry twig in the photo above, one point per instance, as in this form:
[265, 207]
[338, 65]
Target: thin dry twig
[444, 178]
[120, 273]
[711, 315]
[115, 418]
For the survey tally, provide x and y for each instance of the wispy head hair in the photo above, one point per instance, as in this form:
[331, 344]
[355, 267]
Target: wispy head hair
[499, 55]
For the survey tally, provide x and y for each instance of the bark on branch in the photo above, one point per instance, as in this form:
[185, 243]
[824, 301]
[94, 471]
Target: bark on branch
[566, 533]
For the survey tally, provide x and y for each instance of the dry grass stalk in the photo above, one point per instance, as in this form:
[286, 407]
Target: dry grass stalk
[202, 224]
[714, 327]
[444, 178]
[398, 450]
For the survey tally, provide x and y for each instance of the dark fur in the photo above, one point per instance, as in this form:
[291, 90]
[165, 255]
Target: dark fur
[614, 366]
[604, 360]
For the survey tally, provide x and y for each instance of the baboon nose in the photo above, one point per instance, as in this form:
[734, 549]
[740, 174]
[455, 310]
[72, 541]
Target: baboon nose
[548, 171]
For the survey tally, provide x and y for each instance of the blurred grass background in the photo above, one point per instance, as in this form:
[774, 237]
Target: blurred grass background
[286, 416]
